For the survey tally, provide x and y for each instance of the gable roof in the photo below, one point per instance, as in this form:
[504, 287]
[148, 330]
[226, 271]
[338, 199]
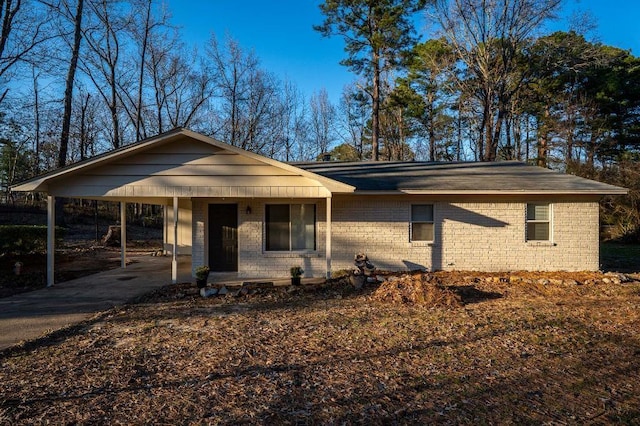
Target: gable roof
[476, 178]
[172, 142]
[507, 178]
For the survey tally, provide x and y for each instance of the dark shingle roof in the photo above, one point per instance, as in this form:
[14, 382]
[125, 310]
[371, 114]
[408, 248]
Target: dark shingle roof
[464, 177]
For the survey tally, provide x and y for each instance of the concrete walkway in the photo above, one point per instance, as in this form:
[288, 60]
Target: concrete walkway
[30, 315]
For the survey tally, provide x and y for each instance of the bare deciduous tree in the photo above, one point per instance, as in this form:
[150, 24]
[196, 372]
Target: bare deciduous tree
[102, 63]
[321, 123]
[488, 37]
[70, 80]
[248, 102]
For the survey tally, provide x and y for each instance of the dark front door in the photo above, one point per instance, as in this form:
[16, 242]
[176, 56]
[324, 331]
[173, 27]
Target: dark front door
[223, 237]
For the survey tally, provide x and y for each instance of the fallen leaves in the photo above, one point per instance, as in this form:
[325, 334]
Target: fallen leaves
[518, 351]
[416, 289]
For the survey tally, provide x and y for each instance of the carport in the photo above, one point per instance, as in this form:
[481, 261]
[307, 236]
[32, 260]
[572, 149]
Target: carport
[184, 171]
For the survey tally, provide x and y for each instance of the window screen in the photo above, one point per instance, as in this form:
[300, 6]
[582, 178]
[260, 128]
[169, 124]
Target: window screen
[538, 222]
[422, 222]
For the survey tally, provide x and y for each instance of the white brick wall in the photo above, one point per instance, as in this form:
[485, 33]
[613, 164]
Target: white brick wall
[487, 236]
[253, 261]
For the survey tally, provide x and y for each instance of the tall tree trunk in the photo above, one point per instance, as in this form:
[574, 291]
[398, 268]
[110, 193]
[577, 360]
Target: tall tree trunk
[432, 133]
[143, 54]
[68, 91]
[543, 138]
[83, 128]
[569, 163]
[492, 145]
[487, 130]
[375, 110]
[459, 131]
[113, 109]
[36, 113]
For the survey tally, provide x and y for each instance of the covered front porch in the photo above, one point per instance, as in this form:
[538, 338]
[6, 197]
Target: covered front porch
[195, 234]
[269, 204]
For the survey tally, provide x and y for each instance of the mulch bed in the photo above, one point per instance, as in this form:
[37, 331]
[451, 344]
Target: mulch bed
[514, 348]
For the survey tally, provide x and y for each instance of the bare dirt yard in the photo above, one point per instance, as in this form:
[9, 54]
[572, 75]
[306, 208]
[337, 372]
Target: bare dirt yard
[450, 348]
[77, 256]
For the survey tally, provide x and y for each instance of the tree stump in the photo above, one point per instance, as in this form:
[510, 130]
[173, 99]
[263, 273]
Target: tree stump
[112, 238]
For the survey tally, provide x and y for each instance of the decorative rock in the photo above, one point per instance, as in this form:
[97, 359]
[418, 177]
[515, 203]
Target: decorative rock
[223, 291]
[357, 281]
[208, 292]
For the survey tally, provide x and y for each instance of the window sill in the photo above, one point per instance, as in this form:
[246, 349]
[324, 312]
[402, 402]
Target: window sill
[422, 243]
[291, 254]
[541, 243]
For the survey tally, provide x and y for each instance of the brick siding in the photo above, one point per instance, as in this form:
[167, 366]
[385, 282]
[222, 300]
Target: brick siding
[485, 236]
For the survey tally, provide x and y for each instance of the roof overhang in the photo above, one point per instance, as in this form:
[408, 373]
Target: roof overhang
[618, 191]
[41, 183]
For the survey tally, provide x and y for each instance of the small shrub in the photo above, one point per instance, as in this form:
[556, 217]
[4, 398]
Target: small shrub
[202, 272]
[296, 271]
[23, 239]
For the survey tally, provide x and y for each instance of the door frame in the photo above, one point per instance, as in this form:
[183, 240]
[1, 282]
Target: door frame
[207, 240]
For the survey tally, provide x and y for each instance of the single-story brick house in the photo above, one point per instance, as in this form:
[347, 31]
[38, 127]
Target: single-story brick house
[238, 211]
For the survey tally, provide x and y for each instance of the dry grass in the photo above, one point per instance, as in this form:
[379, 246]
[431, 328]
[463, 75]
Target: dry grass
[519, 350]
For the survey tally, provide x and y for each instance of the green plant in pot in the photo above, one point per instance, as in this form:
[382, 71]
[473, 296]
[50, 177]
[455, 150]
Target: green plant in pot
[296, 275]
[202, 274]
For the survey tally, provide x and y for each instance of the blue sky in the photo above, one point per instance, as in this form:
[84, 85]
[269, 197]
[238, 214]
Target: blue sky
[281, 34]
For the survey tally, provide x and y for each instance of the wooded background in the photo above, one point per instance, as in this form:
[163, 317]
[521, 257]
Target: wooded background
[80, 77]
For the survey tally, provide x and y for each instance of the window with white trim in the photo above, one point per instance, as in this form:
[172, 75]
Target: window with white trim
[538, 222]
[290, 227]
[422, 222]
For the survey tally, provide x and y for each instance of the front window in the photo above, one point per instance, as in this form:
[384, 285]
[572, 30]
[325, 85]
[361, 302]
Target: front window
[290, 227]
[538, 222]
[422, 222]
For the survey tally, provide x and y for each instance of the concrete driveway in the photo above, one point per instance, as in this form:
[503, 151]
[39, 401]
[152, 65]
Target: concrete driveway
[31, 315]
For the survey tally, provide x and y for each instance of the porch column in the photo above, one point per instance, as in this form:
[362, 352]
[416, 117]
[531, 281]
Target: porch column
[123, 234]
[51, 238]
[174, 258]
[328, 238]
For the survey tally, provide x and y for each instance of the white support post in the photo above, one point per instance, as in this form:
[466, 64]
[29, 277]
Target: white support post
[328, 238]
[123, 234]
[174, 258]
[51, 239]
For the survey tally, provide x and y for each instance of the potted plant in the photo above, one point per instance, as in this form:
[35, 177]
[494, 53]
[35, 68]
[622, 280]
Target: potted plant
[202, 273]
[296, 275]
